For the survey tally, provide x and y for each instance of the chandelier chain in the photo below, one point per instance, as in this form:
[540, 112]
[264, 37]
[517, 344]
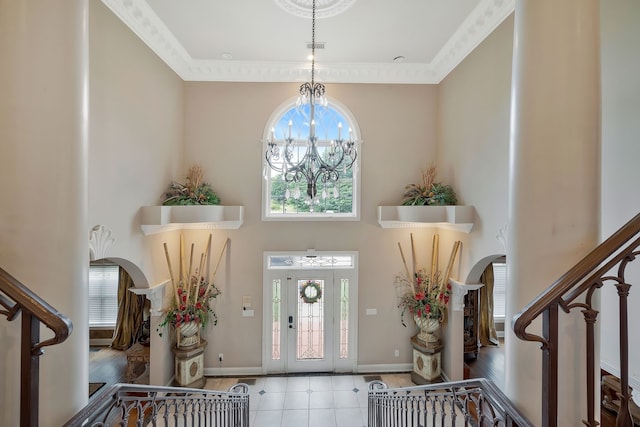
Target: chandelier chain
[321, 162]
[313, 42]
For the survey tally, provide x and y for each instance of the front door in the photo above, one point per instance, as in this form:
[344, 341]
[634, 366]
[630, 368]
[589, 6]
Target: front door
[310, 321]
[310, 303]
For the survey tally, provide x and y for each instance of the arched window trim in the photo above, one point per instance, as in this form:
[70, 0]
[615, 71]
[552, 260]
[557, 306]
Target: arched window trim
[311, 216]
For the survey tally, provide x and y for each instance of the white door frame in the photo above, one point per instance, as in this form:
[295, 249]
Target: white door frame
[341, 271]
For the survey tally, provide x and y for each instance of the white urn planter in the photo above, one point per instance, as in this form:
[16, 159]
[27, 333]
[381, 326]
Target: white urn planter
[429, 327]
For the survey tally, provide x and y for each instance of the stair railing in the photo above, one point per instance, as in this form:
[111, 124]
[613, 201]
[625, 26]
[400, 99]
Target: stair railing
[606, 264]
[145, 405]
[15, 298]
[476, 402]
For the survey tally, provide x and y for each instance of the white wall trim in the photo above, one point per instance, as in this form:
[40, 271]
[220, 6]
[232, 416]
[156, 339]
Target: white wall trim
[380, 368]
[100, 342]
[634, 382]
[233, 372]
[142, 20]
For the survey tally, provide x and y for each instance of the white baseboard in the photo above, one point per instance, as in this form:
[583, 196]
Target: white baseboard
[233, 372]
[392, 367]
[634, 382]
[257, 370]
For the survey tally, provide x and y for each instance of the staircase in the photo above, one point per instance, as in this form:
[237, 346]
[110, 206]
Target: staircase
[464, 403]
[606, 265]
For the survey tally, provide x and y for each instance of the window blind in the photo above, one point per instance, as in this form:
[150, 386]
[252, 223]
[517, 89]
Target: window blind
[103, 295]
[499, 289]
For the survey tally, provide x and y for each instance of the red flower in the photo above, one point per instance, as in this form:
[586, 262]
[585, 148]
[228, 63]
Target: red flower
[180, 291]
[184, 298]
[446, 299]
[198, 305]
[182, 308]
[201, 292]
[419, 296]
[187, 318]
[427, 309]
[419, 313]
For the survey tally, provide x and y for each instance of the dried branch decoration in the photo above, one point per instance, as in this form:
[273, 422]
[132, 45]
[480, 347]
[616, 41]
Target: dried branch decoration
[194, 192]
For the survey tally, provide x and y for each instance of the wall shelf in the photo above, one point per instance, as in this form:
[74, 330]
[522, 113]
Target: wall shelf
[458, 218]
[156, 219]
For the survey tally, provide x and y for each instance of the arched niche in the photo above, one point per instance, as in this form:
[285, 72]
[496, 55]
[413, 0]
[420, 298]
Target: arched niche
[479, 267]
[138, 277]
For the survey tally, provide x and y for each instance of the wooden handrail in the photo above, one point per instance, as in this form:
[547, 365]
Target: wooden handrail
[23, 299]
[16, 298]
[584, 278]
[566, 283]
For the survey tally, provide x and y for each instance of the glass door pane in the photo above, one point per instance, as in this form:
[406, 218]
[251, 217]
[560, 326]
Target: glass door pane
[310, 339]
[310, 321]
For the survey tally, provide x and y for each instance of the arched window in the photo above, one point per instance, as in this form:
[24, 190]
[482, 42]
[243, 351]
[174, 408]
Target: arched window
[282, 199]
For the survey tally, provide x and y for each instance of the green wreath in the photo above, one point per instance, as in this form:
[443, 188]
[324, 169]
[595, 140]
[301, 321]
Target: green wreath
[311, 292]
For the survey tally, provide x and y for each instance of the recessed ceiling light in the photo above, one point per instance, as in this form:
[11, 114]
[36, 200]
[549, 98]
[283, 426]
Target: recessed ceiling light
[227, 56]
[398, 59]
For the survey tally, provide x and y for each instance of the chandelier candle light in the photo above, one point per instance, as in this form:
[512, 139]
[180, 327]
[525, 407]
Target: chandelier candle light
[322, 161]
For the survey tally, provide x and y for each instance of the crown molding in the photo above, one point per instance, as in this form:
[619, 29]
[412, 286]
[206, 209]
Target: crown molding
[474, 29]
[143, 21]
[324, 8]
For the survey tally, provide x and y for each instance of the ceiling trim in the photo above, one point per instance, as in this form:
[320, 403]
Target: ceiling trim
[143, 21]
[304, 8]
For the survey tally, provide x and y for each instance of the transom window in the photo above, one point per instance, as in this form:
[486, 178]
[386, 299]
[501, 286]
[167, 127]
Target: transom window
[290, 200]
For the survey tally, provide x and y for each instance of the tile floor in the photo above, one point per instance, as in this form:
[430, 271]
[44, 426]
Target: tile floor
[309, 401]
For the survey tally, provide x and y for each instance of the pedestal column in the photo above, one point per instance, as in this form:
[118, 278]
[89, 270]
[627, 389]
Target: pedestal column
[554, 183]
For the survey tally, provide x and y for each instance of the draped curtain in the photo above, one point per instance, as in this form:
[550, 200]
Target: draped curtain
[487, 328]
[130, 313]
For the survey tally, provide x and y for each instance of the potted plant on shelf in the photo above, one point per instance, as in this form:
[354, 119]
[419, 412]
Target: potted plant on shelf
[429, 192]
[194, 293]
[194, 192]
[425, 294]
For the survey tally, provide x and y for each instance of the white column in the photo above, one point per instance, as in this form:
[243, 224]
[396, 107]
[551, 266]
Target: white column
[554, 183]
[43, 195]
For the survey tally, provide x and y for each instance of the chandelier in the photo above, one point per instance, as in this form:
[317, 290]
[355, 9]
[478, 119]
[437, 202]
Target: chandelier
[311, 161]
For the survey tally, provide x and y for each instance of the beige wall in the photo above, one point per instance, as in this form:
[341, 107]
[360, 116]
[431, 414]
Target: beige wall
[473, 153]
[135, 146]
[137, 113]
[224, 125]
[473, 142]
[620, 28]
[43, 229]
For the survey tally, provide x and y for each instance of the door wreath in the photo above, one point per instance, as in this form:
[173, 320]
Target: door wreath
[311, 292]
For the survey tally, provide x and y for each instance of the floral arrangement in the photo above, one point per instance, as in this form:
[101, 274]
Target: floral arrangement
[193, 192]
[429, 192]
[425, 293]
[193, 304]
[430, 298]
[193, 290]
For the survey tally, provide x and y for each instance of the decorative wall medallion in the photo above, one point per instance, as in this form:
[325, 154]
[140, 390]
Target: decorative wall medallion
[100, 238]
[324, 8]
